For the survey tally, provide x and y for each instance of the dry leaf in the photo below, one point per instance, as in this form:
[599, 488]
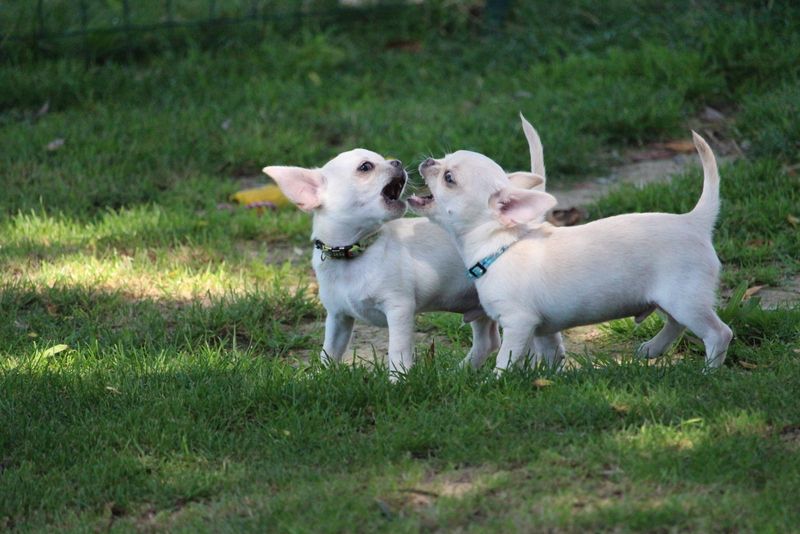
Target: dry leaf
[748, 365]
[621, 408]
[680, 145]
[33, 335]
[55, 349]
[794, 221]
[542, 382]
[752, 291]
[113, 390]
[55, 144]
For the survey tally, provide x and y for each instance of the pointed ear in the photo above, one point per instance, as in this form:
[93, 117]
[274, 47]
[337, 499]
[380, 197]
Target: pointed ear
[301, 186]
[514, 206]
[527, 180]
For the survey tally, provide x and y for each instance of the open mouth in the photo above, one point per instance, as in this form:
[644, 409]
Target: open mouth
[421, 199]
[394, 189]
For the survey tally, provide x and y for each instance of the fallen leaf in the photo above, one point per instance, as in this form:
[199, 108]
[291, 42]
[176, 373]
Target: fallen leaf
[794, 221]
[55, 349]
[114, 390]
[752, 291]
[542, 382]
[680, 145]
[315, 79]
[33, 335]
[55, 144]
[748, 365]
[621, 408]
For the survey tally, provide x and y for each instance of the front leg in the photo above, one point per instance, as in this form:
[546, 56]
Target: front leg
[485, 340]
[338, 329]
[401, 341]
[551, 348]
[517, 334]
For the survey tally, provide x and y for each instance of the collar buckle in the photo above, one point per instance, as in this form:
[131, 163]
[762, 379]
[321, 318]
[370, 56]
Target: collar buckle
[476, 271]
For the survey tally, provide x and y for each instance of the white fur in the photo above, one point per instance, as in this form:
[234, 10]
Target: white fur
[553, 278]
[412, 267]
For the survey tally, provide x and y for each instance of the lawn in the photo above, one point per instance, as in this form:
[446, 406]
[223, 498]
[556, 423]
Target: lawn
[156, 355]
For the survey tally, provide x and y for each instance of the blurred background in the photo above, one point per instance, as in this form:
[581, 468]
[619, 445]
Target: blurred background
[181, 94]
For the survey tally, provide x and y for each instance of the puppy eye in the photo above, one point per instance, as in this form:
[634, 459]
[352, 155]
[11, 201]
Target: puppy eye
[448, 177]
[366, 166]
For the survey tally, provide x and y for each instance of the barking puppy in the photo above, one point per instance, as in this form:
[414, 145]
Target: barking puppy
[542, 279]
[373, 265]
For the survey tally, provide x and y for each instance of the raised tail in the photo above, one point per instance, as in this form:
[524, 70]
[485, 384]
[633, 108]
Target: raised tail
[707, 207]
[535, 146]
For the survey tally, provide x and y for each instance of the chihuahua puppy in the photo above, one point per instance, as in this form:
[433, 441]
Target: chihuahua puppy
[539, 279]
[375, 266]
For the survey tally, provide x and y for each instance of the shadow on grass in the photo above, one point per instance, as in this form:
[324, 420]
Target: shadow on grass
[143, 430]
[263, 321]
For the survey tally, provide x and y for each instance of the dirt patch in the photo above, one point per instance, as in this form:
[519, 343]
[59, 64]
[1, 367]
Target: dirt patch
[787, 294]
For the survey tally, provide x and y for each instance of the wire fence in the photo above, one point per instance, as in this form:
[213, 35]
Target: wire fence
[100, 28]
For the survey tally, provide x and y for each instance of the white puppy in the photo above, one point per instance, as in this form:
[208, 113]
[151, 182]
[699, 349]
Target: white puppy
[379, 268]
[544, 279]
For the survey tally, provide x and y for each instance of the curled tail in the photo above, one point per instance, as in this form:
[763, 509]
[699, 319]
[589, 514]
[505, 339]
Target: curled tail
[707, 207]
[535, 146]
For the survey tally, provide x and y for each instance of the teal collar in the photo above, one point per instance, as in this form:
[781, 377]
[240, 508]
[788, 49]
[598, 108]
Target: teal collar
[480, 268]
[346, 252]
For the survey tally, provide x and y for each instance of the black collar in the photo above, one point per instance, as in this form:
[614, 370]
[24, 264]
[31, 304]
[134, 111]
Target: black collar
[346, 252]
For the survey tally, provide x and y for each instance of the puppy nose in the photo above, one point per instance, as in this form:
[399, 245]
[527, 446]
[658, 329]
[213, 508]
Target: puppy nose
[428, 162]
[396, 163]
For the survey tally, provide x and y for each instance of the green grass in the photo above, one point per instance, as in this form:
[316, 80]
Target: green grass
[157, 374]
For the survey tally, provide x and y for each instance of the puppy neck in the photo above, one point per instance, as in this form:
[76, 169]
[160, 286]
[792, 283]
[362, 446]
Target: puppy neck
[487, 238]
[336, 232]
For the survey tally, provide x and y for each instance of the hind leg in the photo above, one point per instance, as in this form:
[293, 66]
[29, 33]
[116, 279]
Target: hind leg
[703, 321]
[485, 340]
[661, 341]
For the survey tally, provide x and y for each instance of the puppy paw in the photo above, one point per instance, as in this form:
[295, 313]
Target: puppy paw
[646, 351]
